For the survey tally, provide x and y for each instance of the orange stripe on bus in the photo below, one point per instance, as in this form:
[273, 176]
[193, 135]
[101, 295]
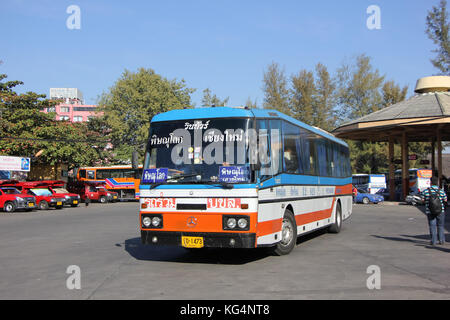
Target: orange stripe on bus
[272, 226]
[305, 218]
[268, 227]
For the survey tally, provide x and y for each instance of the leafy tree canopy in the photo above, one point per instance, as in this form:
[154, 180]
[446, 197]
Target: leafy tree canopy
[131, 103]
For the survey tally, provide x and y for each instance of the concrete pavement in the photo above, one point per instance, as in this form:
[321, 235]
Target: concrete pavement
[103, 240]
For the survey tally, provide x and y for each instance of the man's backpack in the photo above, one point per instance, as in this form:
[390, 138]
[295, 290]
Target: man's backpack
[435, 204]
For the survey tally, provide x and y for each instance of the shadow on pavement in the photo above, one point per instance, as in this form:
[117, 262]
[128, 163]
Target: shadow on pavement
[419, 240]
[177, 254]
[447, 216]
[206, 255]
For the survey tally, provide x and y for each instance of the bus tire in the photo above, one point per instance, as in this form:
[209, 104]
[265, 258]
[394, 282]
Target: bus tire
[336, 226]
[288, 235]
[9, 207]
[43, 205]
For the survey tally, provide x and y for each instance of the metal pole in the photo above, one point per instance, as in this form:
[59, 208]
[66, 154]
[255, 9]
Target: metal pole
[405, 166]
[391, 170]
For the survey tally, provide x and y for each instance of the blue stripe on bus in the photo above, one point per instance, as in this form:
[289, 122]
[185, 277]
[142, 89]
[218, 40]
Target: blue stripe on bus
[119, 184]
[281, 179]
[293, 179]
[195, 186]
[202, 113]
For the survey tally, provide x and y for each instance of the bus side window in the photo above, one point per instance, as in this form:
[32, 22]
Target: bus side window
[82, 173]
[292, 160]
[276, 147]
[91, 174]
[270, 148]
[312, 154]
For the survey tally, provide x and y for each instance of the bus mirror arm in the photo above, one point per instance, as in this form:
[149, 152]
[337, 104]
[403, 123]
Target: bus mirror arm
[255, 166]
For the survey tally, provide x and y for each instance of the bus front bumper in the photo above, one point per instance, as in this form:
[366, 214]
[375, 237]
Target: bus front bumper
[210, 240]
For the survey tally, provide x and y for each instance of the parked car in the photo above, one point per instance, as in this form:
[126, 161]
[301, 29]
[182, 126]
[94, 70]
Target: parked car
[111, 196]
[415, 199]
[44, 197]
[88, 190]
[365, 197]
[12, 199]
[57, 188]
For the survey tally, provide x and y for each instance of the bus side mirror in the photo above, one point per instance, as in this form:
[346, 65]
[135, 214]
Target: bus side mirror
[255, 166]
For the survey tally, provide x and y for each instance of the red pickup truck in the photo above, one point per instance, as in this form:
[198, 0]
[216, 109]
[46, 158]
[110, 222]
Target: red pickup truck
[12, 199]
[57, 188]
[44, 197]
[91, 190]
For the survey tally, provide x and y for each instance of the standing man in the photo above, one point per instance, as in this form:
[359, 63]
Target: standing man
[435, 199]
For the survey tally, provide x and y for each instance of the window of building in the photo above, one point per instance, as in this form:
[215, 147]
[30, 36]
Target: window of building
[77, 119]
[64, 109]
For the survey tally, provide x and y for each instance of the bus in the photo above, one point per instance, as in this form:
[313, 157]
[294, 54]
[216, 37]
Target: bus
[122, 179]
[370, 182]
[240, 178]
[419, 179]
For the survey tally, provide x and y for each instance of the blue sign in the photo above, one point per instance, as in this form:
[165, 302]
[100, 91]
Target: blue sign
[234, 174]
[155, 175]
[25, 164]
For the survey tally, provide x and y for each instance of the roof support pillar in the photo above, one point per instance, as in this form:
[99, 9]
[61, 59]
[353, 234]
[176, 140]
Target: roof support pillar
[433, 155]
[405, 166]
[439, 156]
[391, 181]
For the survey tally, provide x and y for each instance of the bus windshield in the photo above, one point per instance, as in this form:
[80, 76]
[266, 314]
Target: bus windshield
[195, 150]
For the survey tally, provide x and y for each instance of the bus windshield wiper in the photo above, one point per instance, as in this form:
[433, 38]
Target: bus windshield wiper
[224, 185]
[174, 178]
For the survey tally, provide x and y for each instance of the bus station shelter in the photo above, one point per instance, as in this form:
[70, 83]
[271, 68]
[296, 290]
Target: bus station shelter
[425, 117]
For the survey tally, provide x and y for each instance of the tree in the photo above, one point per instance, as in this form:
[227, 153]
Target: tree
[25, 130]
[131, 103]
[359, 89]
[210, 99]
[324, 115]
[276, 93]
[392, 93]
[302, 97]
[438, 31]
[312, 97]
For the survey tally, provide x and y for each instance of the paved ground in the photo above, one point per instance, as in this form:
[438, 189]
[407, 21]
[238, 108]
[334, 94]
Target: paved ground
[103, 240]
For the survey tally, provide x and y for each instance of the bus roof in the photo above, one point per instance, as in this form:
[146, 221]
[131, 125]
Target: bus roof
[229, 112]
[125, 166]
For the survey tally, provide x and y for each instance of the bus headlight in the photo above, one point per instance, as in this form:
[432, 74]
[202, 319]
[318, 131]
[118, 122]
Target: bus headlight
[231, 223]
[146, 221]
[242, 223]
[156, 221]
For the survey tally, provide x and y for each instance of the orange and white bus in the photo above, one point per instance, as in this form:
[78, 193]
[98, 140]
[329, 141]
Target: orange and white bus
[122, 179]
[241, 178]
[419, 179]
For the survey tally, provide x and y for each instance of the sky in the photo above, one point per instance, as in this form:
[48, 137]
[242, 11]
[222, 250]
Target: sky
[221, 45]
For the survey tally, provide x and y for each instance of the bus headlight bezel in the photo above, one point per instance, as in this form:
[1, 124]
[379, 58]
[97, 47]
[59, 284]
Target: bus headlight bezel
[231, 222]
[154, 221]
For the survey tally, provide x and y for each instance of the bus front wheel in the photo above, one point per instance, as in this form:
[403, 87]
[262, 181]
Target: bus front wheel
[336, 226]
[288, 235]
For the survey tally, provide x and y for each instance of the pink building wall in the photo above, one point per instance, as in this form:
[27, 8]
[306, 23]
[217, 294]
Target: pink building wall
[74, 112]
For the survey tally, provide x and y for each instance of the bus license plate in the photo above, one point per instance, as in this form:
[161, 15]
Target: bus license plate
[192, 242]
